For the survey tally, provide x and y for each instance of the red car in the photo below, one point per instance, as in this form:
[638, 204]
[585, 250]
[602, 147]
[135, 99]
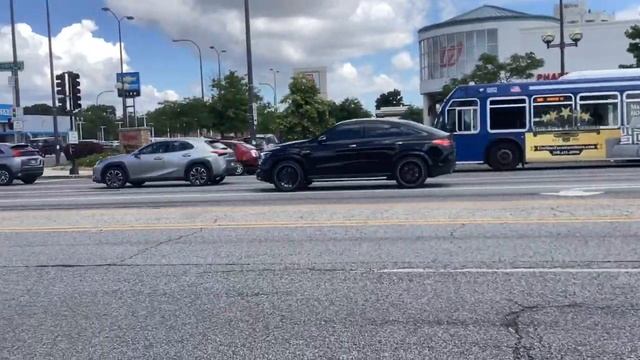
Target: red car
[246, 155]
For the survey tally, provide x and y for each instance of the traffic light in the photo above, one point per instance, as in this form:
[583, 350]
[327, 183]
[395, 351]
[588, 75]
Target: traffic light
[10, 124]
[61, 90]
[74, 82]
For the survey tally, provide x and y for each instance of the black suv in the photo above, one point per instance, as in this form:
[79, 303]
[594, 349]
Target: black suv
[393, 149]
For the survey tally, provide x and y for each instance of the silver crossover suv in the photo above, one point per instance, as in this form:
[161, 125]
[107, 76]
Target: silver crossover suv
[192, 160]
[19, 161]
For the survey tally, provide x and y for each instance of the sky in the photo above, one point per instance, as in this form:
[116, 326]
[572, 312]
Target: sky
[368, 46]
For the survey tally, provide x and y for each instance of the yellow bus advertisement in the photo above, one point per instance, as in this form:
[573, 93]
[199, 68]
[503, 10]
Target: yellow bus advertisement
[570, 145]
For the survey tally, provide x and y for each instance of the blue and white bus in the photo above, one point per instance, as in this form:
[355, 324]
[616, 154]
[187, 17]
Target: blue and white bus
[583, 116]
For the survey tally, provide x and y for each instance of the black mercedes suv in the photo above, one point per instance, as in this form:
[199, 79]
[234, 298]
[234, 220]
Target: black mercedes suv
[398, 150]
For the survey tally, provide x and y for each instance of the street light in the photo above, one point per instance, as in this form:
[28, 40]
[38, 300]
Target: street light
[575, 37]
[275, 87]
[251, 108]
[102, 93]
[274, 91]
[102, 131]
[54, 104]
[119, 20]
[218, 52]
[200, 55]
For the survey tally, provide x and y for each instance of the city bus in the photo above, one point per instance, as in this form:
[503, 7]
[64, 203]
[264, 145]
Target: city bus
[584, 116]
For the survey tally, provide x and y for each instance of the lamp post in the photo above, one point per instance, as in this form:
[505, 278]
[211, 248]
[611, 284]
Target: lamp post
[119, 20]
[219, 53]
[575, 37]
[14, 72]
[275, 87]
[102, 93]
[274, 91]
[251, 109]
[200, 56]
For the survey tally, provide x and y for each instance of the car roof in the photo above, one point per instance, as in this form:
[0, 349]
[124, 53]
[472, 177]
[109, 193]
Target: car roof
[378, 121]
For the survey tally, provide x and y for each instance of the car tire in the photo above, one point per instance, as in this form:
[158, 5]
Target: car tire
[137, 183]
[411, 172]
[504, 156]
[198, 175]
[115, 177]
[218, 180]
[240, 170]
[29, 180]
[288, 176]
[6, 176]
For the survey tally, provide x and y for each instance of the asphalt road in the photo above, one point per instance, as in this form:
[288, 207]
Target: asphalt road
[537, 264]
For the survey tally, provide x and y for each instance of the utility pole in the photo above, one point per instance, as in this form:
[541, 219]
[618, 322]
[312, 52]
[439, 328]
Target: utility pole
[14, 72]
[563, 45]
[54, 104]
[252, 109]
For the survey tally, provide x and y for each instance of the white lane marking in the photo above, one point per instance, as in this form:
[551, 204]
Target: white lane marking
[510, 271]
[574, 193]
[181, 196]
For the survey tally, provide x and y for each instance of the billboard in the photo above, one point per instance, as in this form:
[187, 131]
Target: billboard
[318, 75]
[128, 84]
[6, 111]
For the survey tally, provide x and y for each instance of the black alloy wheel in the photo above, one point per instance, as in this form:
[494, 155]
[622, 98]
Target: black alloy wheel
[198, 175]
[288, 177]
[115, 177]
[411, 172]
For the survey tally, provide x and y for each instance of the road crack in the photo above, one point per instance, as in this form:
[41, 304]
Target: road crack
[157, 245]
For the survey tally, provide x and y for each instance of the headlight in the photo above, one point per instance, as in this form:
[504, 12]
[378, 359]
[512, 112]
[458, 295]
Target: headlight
[264, 155]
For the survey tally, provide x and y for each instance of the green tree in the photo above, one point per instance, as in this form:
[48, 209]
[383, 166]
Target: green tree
[390, 99]
[38, 109]
[491, 70]
[181, 117]
[230, 103]
[633, 34]
[307, 112]
[413, 113]
[268, 119]
[347, 109]
[96, 116]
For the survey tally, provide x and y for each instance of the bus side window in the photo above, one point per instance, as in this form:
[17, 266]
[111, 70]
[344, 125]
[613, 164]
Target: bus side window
[462, 116]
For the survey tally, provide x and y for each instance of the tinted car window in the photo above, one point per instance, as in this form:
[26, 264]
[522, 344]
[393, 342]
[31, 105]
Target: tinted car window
[178, 146]
[387, 130]
[344, 133]
[156, 148]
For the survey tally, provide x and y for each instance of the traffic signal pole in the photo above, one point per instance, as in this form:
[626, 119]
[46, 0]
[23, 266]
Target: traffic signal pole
[54, 106]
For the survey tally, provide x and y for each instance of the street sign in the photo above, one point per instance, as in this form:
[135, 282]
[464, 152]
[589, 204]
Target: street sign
[6, 111]
[255, 113]
[18, 125]
[128, 84]
[72, 137]
[8, 66]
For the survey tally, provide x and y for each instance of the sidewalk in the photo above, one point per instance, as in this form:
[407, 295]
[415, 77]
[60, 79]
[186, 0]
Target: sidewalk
[63, 173]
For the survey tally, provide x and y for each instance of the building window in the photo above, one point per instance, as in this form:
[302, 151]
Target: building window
[599, 110]
[462, 116]
[455, 55]
[553, 112]
[508, 114]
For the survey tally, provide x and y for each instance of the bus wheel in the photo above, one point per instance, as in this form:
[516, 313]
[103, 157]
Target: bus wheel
[504, 156]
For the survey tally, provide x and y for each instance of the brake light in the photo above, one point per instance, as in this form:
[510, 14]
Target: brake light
[18, 153]
[443, 142]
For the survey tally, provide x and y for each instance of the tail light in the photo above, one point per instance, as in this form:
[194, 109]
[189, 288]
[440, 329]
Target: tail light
[255, 153]
[446, 142]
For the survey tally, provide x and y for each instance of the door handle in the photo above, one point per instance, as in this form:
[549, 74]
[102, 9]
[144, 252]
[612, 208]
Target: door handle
[186, 155]
[353, 146]
[158, 158]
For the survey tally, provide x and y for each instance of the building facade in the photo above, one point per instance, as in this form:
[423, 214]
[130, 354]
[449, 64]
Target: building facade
[451, 49]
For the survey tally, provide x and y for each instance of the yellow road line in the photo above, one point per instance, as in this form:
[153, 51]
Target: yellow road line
[319, 224]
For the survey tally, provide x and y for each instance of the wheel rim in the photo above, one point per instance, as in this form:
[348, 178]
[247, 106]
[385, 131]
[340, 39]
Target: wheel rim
[505, 156]
[114, 178]
[240, 170]
[4, 176]
[198, 175]
[288, 177]
[410, 173]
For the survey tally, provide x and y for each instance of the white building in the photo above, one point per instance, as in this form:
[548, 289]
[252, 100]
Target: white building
[451, 49]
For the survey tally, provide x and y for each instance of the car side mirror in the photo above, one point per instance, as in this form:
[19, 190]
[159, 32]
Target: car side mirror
[136, 155]
[322, 139]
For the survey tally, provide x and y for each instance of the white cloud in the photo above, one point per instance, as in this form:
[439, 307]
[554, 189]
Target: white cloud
[632, 13]
[447, 9]
[348, 80]
[285, 32]
[403, 61]
[75, 49]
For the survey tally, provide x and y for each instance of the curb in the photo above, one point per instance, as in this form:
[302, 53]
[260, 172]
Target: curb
[63, 177]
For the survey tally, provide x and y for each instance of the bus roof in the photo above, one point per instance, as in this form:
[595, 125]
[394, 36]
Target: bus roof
[589, 83]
